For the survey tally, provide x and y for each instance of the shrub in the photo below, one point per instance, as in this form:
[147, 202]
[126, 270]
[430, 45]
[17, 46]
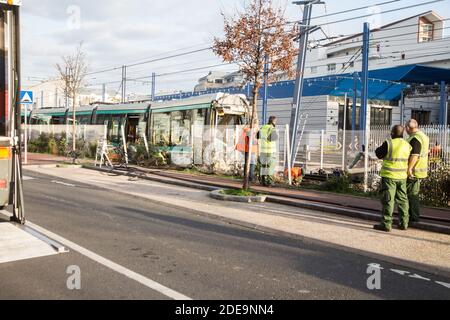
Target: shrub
[435, 190]
[340, 184]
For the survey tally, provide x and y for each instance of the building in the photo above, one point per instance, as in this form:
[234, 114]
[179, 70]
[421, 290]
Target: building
[219, 80]
[406, 53]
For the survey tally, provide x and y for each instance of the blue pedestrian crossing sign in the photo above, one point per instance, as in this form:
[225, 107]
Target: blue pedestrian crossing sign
[26, 97]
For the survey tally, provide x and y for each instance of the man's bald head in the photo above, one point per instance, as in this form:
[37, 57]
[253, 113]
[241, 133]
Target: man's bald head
[397, 132]
[412, 126]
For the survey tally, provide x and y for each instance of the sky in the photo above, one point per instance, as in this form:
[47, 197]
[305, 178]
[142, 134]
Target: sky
[116, 33]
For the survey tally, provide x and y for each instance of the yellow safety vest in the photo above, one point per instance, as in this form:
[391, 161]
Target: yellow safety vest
[395, 164]
[421, 168]
[265, 145]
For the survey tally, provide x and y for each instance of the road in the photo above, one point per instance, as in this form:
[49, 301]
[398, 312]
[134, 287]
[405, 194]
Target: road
[199, 257]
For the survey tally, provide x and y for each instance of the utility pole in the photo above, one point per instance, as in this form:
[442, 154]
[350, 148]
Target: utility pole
[443, 105]
[67, 89]
[104, 92]
[153, 86]
[266, 89]
[355, 100]
[124, 84]
[305, 29]
[365, 109]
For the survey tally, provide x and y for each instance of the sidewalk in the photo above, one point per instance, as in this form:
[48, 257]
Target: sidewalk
[349, 201]
[44, 159]
[416, 249]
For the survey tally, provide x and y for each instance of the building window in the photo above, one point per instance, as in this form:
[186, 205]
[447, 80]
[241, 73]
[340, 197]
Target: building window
[313, 69]
[348, 65]
[332, 67]
[426, 31]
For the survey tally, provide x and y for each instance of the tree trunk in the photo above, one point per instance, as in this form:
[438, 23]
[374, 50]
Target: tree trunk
[254, 116]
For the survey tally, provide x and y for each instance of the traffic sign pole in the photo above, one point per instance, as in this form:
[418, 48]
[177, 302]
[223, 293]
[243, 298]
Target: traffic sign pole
[26, 134]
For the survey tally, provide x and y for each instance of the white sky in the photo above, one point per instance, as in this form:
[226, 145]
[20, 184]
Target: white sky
[120, 32]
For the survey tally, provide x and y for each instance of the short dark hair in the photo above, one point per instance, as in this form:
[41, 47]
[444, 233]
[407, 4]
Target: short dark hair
[272, 118]
[397, 131]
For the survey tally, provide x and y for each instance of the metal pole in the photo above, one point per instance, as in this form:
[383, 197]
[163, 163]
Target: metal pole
[288, 156]
[322, 143]
[355, 96]
[153, 86]
[443, 104]
[266, 88]
[26, 134]
[304, 35]
[104, 92]
[124, 83]
[365, 114]
[344, 131]
[402, 107]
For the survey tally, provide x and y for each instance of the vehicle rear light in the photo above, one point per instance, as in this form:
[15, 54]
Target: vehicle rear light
[5, 153]
[3, 184]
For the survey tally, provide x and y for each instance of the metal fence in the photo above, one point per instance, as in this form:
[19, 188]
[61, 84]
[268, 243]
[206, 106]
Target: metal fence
[88, 133]
[215, 147]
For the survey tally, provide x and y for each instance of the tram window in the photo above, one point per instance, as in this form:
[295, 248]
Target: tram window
[180, 127]
[115, 124]
[161, 129]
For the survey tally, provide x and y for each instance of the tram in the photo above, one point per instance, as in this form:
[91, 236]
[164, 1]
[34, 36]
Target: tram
[162, 122]
[10, 164]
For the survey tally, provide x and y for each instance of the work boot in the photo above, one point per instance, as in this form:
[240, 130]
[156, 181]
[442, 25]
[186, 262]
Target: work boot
[381, 227]
[402, 227]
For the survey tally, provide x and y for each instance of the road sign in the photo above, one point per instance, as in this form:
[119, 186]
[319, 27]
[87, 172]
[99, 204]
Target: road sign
[26, 97]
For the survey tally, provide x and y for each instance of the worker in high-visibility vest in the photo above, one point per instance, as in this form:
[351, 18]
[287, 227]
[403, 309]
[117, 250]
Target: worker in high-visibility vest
[418, 166]
[395, 153]
[243, 146]
[268, 138]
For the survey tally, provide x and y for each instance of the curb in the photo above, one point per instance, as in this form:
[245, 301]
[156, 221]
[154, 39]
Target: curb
[216, 194]
[305, 204]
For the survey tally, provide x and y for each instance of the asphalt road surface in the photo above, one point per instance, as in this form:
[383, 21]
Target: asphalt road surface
[199, 257]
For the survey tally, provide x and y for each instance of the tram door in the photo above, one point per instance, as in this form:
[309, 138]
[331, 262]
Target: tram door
[10, 186]
[132, 128]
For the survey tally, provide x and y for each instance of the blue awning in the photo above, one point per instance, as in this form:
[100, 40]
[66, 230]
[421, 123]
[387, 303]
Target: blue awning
[384, 84]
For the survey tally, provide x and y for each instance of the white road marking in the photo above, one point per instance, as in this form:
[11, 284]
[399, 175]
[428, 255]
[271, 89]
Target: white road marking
[445, 284]
[416, 276]
[64, 183]
[108, 263]
[26, 178]
[401, 272]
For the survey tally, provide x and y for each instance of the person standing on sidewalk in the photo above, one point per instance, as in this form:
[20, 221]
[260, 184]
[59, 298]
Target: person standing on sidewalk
[395, 153]
[243, 146]
[418, 166]
[268, 138]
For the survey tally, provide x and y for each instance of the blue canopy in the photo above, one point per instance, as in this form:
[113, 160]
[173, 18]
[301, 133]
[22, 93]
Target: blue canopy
[384, 84]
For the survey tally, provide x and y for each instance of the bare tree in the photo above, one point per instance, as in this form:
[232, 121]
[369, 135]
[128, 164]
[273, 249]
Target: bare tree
[72, 72]
[258, 33]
